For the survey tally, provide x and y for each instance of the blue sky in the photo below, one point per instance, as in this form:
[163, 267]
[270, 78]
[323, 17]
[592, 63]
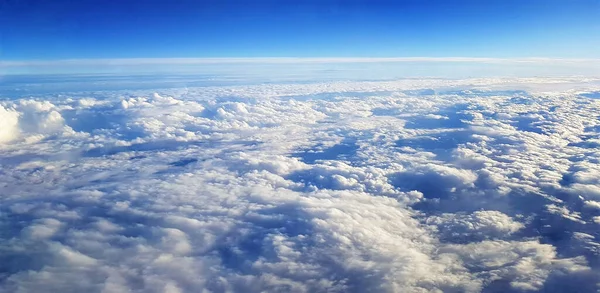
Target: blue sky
[47, 30]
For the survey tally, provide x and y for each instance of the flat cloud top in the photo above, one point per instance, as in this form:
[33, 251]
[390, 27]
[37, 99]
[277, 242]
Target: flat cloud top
[354, 68]
[478, 185]
[134, 61]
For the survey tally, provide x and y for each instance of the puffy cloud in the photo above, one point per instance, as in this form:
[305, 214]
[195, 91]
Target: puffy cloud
[524, 265]
[9, 119]
[31, 120]
[479, 225]
[322, 187]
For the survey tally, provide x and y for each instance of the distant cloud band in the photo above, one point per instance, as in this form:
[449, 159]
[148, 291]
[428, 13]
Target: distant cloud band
[279, 60]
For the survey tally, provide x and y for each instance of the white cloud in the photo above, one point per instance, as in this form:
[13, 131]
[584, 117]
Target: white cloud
[336, 187]
[288, 60]
[476, 226]
[525, 264]
[592, 204]
[9, 120]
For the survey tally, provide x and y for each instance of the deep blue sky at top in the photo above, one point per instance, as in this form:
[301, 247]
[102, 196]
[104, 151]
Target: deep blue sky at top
[295, 28]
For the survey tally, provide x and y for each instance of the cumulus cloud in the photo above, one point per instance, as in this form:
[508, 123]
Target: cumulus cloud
[480, 185]
[479, 225]
[524, 265]
[9, 120]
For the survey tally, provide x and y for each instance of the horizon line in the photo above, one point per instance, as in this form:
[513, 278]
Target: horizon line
[276, 60]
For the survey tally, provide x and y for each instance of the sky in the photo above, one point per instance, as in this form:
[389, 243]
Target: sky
[299, 146]
[90, 29]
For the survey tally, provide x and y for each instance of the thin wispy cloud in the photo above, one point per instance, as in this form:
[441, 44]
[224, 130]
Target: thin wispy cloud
[284, 60]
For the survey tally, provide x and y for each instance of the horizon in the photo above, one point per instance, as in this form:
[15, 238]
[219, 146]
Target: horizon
[425, 66]
[299, 146]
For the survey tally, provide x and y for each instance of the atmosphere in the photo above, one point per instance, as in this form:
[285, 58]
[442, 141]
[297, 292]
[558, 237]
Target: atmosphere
[183, 29]
[300, 146]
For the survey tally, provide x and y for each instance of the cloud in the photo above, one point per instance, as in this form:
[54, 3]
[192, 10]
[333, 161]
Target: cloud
[9, 120]
[526, 265]
[150, 72]
[478, 225]
[287, 60]
[413, 185]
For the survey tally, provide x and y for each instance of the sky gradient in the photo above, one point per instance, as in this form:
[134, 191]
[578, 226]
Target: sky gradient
[53, 30]
[299, 146]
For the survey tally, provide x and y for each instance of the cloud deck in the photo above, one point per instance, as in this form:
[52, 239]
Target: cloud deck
[474, 185]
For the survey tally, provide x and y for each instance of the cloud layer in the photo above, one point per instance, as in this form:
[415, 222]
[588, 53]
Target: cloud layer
[480, 185]
[289, 60]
